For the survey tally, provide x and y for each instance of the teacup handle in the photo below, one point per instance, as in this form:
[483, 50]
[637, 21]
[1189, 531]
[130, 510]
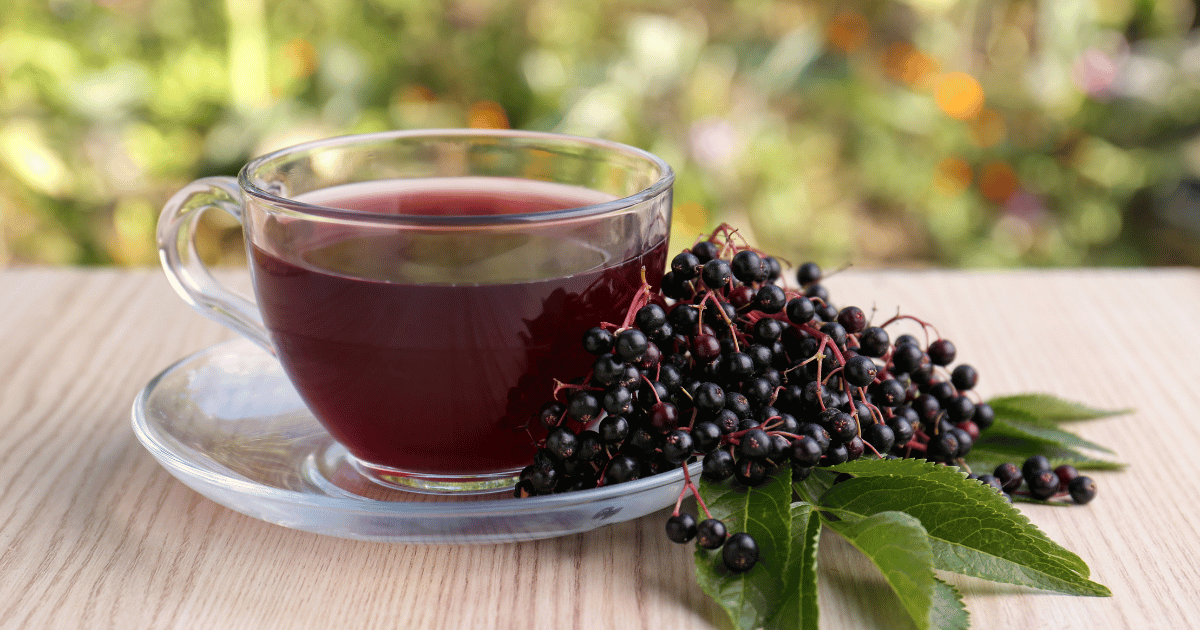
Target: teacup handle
[185, 270]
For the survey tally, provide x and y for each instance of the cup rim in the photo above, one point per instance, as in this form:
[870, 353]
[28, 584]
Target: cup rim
[664, 181]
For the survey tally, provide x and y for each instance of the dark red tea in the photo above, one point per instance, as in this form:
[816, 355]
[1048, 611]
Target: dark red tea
[438, 377]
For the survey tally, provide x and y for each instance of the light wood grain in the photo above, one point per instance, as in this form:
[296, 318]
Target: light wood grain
[94, 534]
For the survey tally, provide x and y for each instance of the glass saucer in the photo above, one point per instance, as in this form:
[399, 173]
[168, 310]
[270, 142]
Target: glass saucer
[227, 422]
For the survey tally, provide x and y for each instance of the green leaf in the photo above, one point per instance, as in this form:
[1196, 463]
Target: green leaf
[898, 545]
[1030, 428]
[973, 530]
[987, 454]
[948, 612]
[799, 609]
[764, 512]
[1050, 407]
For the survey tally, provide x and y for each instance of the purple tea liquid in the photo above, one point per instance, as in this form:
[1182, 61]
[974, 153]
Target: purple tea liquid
[439, 377]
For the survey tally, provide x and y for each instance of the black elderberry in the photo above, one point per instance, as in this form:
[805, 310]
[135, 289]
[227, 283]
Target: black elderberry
[727, 420]
[1034, 466]
[584, 406]
[706, 251]
[758, 391]
[705, 348]
[664, 416]
[1042, 485]
[740, 553]
[768, 330]
[684, 318]
[960, 409]
[716, 273]
[942, 352]
[589, 446]
[964, 442]
[808, 273]
[681, 528]
[710, 534]
[1082, 489]
[942, 447]
[774, 268]
[780, 449]
[760, 355]
[543, 459]
[907, 340]
[649, 318]
[964, 377]
[670, 377]
[755, 443]
[741, 297]
[706, 436]
[718, 465]
[855, 448]
[873, 342]
[800, 310]
[650, 393]
[550, 413]
[770, 299]
[860, 371]
[685, 265]
[842, 427]
[787, 423]
[747, 266]
[984, 416]
[598, 341]
[749, 423]
[818, 433]
[853, 319]
[906, 358]
[1066, 473]
[677, 446]
[927, 407]
[738, 366]
[767, 413]
[613, 429]
[561, 442]
[879, 436]
[673, 286]
[819, 293]
[805, 451]
[641, 441]
[709, 397]
[737, 403]
[543, 480]
[942, 391]
[617, 401]
[901, 428]
[621, 469]
[663, 337]
[890, 393]
[836, 454]
[1008, 476]
[750, 472]
[990, 480]
[631, 344]
[817, 396]
[836, 332]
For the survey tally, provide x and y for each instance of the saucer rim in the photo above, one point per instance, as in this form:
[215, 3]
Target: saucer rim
[175, 464]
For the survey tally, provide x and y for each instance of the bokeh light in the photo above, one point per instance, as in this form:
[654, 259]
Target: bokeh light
[922, 132]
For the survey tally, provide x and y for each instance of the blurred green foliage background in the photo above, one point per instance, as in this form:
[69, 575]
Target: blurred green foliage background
[947, 132]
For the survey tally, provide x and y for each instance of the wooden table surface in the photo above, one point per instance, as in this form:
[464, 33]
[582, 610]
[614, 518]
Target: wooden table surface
[95, 534]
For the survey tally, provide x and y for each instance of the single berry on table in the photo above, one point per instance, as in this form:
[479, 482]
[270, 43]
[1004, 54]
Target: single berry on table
[1082, 489]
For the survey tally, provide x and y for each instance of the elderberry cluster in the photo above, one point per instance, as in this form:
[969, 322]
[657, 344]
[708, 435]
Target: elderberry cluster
[725, 364]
